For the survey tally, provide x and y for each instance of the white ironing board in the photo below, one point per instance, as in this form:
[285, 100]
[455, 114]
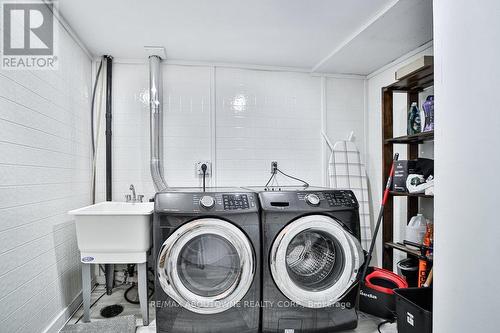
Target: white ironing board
[346, 171]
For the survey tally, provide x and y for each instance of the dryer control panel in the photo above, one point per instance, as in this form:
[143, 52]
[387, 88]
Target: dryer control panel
[313, 199]
[338, 198]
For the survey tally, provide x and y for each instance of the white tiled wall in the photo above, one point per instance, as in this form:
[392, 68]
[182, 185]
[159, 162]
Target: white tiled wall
[374, 146]
[345, 106]
[267, 116]
[239, 119]
[186, 105]
[44, 172]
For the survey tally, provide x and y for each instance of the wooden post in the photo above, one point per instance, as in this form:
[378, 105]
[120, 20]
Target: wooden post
[387, 154]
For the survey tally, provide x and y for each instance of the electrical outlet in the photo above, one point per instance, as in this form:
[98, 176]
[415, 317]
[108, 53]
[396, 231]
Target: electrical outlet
[199, 171]
[274, 166]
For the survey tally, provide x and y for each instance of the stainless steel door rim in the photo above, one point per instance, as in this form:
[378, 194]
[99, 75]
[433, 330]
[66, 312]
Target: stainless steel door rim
[352, 260]
[168, 273]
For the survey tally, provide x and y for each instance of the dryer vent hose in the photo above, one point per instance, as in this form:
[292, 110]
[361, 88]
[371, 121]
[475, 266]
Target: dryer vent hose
[156, 123]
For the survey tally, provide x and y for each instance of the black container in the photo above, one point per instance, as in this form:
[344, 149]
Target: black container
[414, 310]
[408, 268]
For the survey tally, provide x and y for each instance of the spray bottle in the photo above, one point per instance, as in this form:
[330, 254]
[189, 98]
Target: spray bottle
[414, 121]
[428, 114]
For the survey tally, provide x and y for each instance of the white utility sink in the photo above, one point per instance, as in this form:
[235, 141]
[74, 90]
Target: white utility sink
[114, 232]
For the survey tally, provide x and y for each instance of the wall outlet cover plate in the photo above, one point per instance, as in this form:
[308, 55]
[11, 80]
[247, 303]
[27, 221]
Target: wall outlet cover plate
[198, 165]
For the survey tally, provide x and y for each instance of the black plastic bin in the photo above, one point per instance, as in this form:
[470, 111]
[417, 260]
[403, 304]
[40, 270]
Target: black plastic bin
[409, 269]
[414, 310]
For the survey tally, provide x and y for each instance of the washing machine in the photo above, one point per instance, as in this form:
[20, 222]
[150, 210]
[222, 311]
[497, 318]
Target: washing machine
[312, 259]
[208, 261]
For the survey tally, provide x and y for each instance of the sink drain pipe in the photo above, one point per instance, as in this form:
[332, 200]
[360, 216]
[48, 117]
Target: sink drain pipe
[109, 268]
[156, 123]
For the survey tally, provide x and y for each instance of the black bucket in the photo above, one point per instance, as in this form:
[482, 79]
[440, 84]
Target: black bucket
[408, 268]
[414, 310]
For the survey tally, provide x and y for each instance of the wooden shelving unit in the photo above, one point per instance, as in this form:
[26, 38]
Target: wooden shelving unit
[412, 85]
[408, 139]
[412, 252]
[418, 195]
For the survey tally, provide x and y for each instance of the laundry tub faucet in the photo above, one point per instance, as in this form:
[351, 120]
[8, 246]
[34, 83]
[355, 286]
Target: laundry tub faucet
[133, 197]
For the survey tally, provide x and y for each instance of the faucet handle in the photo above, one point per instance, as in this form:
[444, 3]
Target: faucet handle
[128, 197]
[140, 197]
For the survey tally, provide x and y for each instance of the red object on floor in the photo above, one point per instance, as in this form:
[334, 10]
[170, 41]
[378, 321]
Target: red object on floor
[384, 281]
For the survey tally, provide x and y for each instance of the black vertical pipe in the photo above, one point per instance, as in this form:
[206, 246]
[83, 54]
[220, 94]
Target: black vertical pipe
[109, 77]
[109, 269]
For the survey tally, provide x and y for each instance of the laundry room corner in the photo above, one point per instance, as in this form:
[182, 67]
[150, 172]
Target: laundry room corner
[274, 166]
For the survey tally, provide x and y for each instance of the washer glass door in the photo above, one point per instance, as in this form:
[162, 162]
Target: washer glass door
[315, 261]
[206, 265]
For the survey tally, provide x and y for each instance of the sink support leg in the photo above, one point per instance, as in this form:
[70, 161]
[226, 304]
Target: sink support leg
[142, 278]
[86, 291]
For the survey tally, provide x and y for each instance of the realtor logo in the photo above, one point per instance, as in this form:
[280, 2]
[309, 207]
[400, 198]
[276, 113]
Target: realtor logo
[28, 35]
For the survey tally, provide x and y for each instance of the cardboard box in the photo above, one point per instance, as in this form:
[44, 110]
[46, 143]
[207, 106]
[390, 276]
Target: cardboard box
[402, 169]
[414, 66]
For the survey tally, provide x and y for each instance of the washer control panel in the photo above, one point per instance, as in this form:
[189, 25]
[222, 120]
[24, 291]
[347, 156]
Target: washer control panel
[206, 202]
[235, 201]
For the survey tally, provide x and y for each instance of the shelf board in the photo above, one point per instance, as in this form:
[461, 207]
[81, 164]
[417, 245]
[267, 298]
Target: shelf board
[416, 81]
[413, 139]
[418, 195]
[406, 249]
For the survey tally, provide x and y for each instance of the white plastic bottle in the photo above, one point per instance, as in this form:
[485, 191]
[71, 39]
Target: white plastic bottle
[415, 230]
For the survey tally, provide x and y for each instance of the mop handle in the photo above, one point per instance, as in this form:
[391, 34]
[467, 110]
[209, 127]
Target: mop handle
[380, 216]
[389, 181]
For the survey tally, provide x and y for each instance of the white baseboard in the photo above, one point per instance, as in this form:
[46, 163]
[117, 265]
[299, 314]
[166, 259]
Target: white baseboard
[62, 318]
[65, 315]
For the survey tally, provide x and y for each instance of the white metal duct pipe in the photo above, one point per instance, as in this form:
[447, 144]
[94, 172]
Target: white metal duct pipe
[156, 123]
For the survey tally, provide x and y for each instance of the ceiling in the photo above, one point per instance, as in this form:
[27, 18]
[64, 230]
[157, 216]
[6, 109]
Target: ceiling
[327, 36]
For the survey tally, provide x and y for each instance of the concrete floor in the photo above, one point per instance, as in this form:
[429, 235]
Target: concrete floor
[105, 300]
[367, 323]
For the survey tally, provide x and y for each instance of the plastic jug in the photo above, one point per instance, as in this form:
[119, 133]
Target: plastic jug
[415, 230]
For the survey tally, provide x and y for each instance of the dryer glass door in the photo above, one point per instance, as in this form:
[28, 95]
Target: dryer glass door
[315, 261]
[207, 265]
